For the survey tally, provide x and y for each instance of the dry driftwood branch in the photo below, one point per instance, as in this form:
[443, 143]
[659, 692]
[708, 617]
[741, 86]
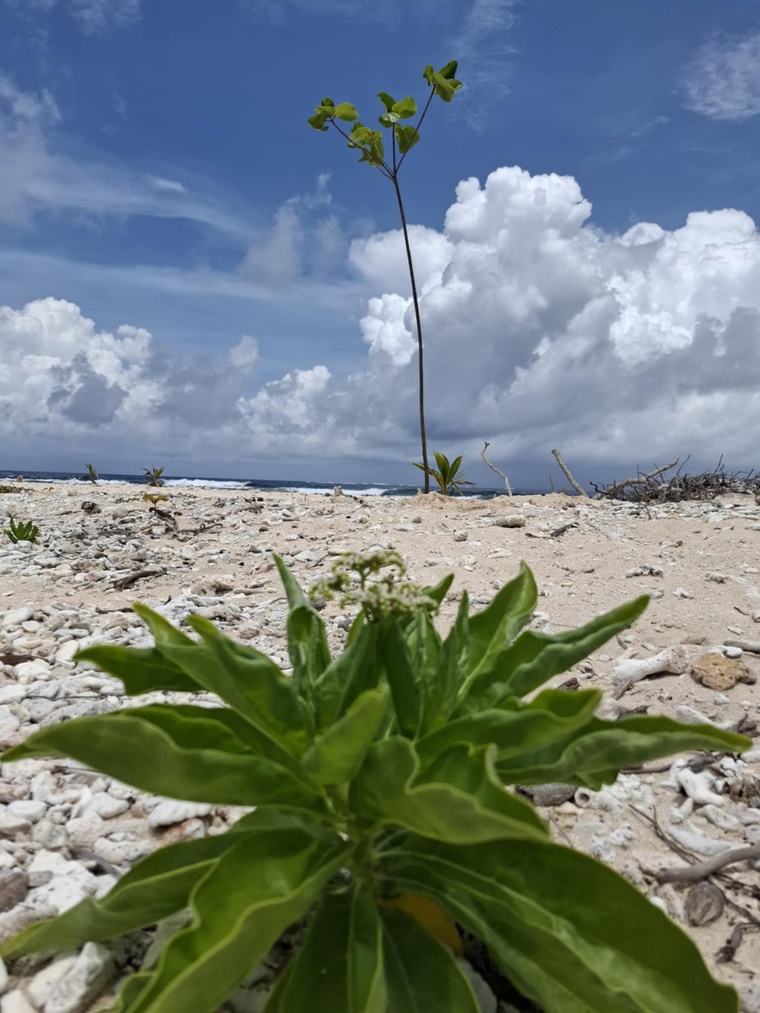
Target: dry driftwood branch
[560, 461]
[486, 445]
[134, 577]
[612, 490]
[692, 873]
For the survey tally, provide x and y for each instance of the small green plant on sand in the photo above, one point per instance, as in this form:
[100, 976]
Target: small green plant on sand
[7, 489]
[444, 84]
[92, 473]
[153, 476]
[154, 498]
[21, 531]
[383, 817]
[448, 476]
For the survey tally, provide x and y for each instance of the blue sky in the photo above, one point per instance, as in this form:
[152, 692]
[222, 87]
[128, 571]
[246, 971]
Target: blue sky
[189, 273]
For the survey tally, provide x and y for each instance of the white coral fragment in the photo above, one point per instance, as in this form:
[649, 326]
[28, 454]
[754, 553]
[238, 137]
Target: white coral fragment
[671, 660]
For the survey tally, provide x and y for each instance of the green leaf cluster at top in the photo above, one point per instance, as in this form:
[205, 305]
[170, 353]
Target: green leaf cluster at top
[378, 772]
[370, 142]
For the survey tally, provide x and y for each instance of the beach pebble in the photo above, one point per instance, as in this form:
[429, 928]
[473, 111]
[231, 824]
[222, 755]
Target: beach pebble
[82, 981]
[169, 811]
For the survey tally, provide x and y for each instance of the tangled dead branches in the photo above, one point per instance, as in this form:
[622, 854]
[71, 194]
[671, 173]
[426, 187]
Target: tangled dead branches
[655, 487]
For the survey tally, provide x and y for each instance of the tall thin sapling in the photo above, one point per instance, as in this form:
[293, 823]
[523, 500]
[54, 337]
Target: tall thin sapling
[403, 138]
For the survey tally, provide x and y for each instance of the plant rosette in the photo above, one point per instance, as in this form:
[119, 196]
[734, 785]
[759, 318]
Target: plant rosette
[381, 812]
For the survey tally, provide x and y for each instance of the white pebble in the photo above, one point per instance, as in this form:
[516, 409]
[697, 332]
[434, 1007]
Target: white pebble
[170, 811]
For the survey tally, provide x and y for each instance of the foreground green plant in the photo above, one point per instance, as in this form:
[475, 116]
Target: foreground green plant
[443, 83]
[378, 777]
[21, 531]
[92, 473]
[448, 476]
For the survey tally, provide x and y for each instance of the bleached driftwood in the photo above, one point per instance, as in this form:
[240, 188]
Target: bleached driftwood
[561, 462]
[673, 660]
[486, 445]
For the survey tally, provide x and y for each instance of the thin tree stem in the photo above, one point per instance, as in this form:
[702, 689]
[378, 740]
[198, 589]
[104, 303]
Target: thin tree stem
[420, 363]
[419, 124]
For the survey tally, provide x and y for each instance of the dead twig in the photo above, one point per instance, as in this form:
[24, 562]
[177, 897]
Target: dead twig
[132, 578]
[560, 461]
[486, 445]
[561, 530]
[693, 873]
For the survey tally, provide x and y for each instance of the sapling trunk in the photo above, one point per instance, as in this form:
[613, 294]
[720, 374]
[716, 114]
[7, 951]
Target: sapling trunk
[418, 321]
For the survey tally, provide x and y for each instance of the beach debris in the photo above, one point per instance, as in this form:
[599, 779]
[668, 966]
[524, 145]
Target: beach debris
[692, 873]
[486, 445]
[510, 521]
[699, 787]
[132, 578]
[90, 507]
[671, 660]
[566, 472]
[652, 487]
[705, 903]
[646, 570]
[750, 646]
[719, 673]
[548, 794]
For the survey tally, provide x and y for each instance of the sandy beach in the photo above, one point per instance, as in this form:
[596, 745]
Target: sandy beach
[65, 834]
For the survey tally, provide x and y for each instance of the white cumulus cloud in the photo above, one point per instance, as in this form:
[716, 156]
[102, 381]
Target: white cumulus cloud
[540, 329]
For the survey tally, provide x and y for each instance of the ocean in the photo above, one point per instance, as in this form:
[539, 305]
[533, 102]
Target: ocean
[262, 484]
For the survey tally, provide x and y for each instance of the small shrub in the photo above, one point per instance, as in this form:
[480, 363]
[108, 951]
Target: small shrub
[378, 779]
[6, 489]
[153, 476]
[448, 476]
[21, 531]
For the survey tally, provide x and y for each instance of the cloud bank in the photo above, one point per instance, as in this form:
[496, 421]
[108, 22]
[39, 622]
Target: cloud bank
[541, 330]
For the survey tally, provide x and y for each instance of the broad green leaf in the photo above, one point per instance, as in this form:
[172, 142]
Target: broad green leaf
[406, 138]
[346, 111]
[420, 972]
[387, 100]
[594, 755]
[318, 121]
[307, 640]
[352, 672]
[254, 891]
[182, 752]
[388, 119]
[248, 681]
[155, 888]
[440, 691]
[337, 753]
[460, 801]
[449, 70]
[517, 728]
[405, 108]
[534, 658]
[498, 624]
[142, 670]
[340, 966]
[570, 933]
[402, 676]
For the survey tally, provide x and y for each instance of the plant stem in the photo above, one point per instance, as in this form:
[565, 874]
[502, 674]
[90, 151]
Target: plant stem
[415, 300]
